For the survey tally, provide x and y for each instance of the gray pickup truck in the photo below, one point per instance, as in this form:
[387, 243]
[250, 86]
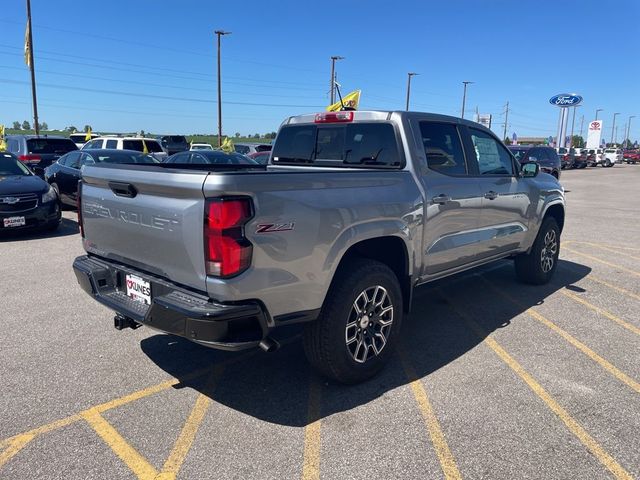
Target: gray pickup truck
[354, 210]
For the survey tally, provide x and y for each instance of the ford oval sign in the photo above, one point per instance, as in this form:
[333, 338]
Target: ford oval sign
[565, 100]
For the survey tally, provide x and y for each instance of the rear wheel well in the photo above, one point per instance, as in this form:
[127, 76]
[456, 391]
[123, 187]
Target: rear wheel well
[388, 250]
[557, 212]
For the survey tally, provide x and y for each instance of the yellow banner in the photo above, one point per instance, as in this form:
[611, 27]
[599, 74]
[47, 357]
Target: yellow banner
[351, 100]
[87, 137]
[227, 145]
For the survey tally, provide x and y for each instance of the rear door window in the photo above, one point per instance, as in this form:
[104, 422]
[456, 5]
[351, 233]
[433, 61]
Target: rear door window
[73, 160]
[443, 148]
[112, 144]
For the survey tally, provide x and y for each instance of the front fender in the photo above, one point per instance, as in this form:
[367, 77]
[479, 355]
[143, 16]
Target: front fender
[549, 198]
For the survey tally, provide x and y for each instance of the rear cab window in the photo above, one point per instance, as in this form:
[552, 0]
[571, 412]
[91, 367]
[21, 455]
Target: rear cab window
[354, 145]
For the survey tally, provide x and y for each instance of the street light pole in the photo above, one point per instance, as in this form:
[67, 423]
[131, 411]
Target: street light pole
[32, 69]
[464, 95]
[626, 137]
[332, 88]
[613, 126]
[409, 75]
[598, 110]
[219, 33]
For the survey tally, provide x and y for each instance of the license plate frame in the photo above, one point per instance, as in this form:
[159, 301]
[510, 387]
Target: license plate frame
[137, 288]
[12, 222]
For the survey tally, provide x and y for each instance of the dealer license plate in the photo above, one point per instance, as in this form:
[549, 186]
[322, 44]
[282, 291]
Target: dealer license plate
[138, 289]
[14, 222]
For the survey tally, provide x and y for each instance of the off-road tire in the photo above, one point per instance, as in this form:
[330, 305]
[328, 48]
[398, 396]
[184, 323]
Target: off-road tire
[325, 340]
[530, 268]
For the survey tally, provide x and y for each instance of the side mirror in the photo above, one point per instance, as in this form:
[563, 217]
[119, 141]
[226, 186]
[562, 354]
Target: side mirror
[530, 170]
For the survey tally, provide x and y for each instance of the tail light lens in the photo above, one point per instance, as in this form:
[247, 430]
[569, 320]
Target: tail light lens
[79, 209]
[227, 251]
[30, 158]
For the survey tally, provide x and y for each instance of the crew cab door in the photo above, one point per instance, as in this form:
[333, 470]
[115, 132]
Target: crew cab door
[453, 199]
[506, 197]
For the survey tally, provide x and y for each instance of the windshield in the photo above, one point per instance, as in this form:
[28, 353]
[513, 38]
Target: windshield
[10, 165]
[50, 145]
[201, 147]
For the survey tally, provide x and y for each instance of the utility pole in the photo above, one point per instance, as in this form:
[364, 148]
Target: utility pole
[573, 121]
[219, 34]
[506, 121]
[626, 137]
[409, 75]
[581, 125]
[332, 89]
[598, 110]
[31, 64]
[464, 95]
[613, 126]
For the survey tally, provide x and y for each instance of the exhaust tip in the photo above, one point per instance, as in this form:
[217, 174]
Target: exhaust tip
[269, 345]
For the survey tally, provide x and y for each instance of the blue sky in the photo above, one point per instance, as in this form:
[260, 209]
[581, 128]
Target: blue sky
[150, 65]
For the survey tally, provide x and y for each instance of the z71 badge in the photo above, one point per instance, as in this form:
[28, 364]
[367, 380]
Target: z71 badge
[274, 227]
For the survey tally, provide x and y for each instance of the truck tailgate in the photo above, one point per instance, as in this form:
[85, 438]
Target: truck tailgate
[148, 218]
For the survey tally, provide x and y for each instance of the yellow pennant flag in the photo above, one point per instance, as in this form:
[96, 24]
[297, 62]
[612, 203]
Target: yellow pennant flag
[87, 137]
[3, 144]
[351, 100]
[227, 145]
[144, 147]
[27, 45]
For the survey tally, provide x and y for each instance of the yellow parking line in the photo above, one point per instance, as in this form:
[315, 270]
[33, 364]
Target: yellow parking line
[17, 442]
[593, 244]
[617, 252]
[609, 367]
[614, 287]
[574, 427]
[188, 434]
[136, 462]
[312, 439]
[604, 262]
[447, 461]
[604, 313]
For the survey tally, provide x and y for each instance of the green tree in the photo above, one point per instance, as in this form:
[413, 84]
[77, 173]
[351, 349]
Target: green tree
[44, 126]
[16, 125]
[71, 128]
[577, 141]
[26, 125]
[237, 135]
[507, 141]
[87, 128]
[257, 135]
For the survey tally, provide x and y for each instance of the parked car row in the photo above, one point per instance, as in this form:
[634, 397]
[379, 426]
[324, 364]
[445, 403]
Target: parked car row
[589, 157]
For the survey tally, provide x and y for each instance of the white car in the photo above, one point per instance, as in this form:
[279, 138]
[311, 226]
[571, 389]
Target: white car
[612, 156]
[595, 156]
[201, 146]
[128, 143]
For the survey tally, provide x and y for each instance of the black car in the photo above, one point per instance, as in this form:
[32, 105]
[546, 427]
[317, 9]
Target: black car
[174, 143]
[38, 152]
[217, 157]
[546, 157]
[65, 174]
[26, 201]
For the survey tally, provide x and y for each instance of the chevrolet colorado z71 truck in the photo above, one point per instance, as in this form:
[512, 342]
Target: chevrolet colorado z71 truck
[353, 211]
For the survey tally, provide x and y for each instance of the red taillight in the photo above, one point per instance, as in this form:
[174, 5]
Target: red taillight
[226, 250]
[30, 158]
[79, 209]
[334, 117]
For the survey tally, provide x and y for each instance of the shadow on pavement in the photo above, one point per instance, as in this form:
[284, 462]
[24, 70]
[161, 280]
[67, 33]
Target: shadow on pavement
[275, 387]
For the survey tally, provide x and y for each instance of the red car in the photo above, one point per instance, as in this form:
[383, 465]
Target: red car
[261, 157]
[631, 156]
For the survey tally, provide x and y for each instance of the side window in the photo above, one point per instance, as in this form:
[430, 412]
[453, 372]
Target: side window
[535, 153]
[492, 157]
[241, 149]
[443, 148]
[86, 159]
[112, 144]
[73, 160]
[181, 158]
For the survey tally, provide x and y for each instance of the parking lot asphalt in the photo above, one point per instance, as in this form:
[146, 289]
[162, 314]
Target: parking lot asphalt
[494, 379]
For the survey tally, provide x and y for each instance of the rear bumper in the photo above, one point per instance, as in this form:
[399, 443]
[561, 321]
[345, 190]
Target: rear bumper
[174, 309]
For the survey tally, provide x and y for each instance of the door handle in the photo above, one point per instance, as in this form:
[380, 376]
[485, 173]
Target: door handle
[491, 195]
[441, 199]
